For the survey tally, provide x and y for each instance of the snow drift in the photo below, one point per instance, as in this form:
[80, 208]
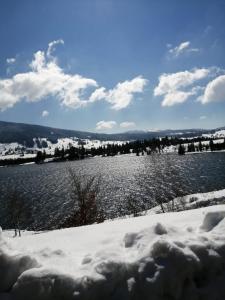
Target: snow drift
[169, 256]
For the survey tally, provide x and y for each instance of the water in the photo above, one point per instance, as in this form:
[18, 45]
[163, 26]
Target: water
[149, 179]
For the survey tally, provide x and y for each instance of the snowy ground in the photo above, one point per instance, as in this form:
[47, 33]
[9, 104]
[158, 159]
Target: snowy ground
[17, 156]
[217, 134]
[14, 150]
[191, 201]
[163, 256]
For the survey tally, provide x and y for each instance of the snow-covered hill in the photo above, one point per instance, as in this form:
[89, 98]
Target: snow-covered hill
[217, 134]
[15, 150]
[165, 256]
[25, 133]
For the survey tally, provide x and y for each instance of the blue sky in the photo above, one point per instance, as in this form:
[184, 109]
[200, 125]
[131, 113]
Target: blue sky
[113, 65]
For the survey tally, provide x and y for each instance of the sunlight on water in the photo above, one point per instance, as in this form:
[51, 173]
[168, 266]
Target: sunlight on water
[145, 177]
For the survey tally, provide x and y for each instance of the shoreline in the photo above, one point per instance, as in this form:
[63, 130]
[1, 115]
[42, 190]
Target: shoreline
[52, 160]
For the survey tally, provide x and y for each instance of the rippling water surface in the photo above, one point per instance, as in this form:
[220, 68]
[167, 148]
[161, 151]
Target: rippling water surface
[148, 178]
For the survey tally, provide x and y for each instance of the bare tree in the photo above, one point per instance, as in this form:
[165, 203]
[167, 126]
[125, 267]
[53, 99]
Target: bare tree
[84, 191]
[134, 205]
[18, 211]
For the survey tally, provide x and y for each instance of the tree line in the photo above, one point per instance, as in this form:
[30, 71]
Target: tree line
[139, 147]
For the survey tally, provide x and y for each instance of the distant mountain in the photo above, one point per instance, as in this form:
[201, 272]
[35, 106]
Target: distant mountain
[25, 133]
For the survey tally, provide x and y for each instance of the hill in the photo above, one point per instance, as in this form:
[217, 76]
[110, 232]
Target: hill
[24, 134]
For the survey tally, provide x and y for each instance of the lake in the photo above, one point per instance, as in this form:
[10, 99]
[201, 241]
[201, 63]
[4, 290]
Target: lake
[46, 187]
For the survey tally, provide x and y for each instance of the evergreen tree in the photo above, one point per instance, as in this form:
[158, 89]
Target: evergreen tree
[211, 145]
[181, 150]
[39, 157]
[57, 152]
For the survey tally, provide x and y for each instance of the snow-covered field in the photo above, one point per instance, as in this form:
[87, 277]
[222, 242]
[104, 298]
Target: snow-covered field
[14, 150]
[17, 156]
[163, 256]
[217, 134]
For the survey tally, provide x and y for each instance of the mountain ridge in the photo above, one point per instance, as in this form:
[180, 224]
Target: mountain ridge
[23, 133]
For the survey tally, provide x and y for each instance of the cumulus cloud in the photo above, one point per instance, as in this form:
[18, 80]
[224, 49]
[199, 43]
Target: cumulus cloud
[101, 125]
[174, 81]
[46, 78]
[122, 94]
[127, 124]
[45, 113]
[98, 94]
[214, 91]
[174, 86]
[203, 117]
[184, 47]
[10, 60]
[176, 97]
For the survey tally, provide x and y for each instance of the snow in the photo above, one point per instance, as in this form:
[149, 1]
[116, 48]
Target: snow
[191, 201]
[14, 150]
[9, 148]
[217, 134]
[162, 256]
[88, 144]
[17, 156]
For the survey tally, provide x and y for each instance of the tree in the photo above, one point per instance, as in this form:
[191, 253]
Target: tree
[211, 145]
[181, 150]
[57, 152]
[62, 153]
[40, 157]
[18, 211]
[134, 206]
[84, 192]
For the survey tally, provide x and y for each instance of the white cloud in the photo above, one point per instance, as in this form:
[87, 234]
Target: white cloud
[174, 81]
[45, 113]
[127, 124]
[98, 94]
[184, 47]
[174, 86]
[176, 97]
[203, 117]
[214, 91]
[101, 125]
[10, 60]
[52, 45]
[122, 94]
[46, 78]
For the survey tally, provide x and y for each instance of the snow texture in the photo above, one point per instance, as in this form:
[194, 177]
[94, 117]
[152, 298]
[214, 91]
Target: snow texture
[172, 256]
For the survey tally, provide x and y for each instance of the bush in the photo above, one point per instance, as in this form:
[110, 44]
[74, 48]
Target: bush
[84, 194]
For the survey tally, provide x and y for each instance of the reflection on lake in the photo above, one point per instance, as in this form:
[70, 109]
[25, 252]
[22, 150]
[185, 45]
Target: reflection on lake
[46, 186]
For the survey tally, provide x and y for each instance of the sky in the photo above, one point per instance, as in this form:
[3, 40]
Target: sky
[113, 65]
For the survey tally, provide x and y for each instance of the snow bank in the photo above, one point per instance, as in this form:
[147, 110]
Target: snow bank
[191, 201]
[168, 256]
